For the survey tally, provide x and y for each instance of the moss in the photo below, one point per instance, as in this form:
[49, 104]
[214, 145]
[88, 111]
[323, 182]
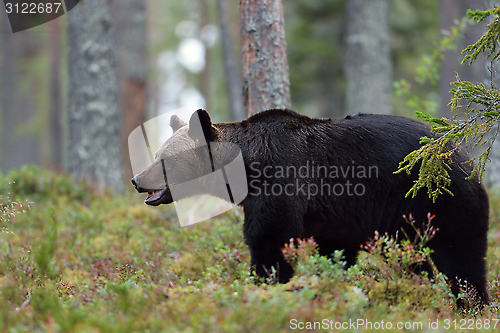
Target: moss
[77, 268]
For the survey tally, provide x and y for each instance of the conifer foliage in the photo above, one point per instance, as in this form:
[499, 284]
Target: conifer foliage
[475, 123]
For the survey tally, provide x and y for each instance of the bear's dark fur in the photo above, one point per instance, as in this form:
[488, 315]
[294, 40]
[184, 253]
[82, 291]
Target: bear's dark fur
[375, 200]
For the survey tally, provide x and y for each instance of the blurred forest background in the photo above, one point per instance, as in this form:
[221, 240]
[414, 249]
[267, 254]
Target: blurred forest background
[171, 54]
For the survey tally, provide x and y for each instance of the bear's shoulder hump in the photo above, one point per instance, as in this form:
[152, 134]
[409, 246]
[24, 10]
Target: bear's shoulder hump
[282, 115]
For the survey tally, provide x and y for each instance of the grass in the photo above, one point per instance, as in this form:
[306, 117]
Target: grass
[76, 259]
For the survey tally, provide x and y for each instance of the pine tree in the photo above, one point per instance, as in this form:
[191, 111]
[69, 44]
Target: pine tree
[93, 148]
[368, 67]
[265, 66]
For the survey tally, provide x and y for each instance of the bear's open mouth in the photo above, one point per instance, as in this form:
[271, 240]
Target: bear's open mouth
[155, 196]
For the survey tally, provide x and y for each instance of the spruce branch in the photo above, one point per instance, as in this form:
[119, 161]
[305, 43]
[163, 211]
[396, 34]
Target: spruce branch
[472, 127]
[488, 41]
[476, 122]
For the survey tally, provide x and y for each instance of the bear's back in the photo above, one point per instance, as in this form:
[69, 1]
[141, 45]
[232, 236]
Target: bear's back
[372, 131]
[293, 120]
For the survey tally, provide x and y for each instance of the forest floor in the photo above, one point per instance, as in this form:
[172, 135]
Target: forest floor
[75, 259]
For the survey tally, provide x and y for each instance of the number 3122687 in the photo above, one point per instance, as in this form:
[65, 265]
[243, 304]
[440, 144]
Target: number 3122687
[32, 8]
[470, 323]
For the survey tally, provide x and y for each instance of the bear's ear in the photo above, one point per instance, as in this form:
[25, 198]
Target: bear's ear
[200, 127]
[176, 123]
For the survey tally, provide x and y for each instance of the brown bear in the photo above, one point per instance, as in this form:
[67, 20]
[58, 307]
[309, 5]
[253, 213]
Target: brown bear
[331, 179]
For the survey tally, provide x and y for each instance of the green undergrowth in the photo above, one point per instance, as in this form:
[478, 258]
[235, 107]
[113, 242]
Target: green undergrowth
[74, 258]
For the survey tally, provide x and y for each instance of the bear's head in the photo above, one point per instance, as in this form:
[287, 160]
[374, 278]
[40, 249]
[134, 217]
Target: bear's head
[183, 160]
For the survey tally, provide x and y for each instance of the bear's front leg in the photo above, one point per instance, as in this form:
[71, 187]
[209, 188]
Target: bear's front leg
[269, 262]
[266, 233]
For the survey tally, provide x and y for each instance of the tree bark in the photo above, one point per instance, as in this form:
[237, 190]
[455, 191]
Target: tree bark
[205, 83]
[132, 62]
[232, 75]
[264, 60]
[449, 65]
[94, 120]
[8, 82]
[55, 94]
[472, 34]
[17, 108]
[492, 78]
[368, 65]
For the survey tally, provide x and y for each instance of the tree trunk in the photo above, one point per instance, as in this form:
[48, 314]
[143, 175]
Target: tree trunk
[205, 76]
[17, 108]
[451, 63]
[55, 94]
[232, 75]
[94, 120]
[132, 62]
[492, 78]
[368, 65]
[265, 67]
[472, 34]
[8, 76]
